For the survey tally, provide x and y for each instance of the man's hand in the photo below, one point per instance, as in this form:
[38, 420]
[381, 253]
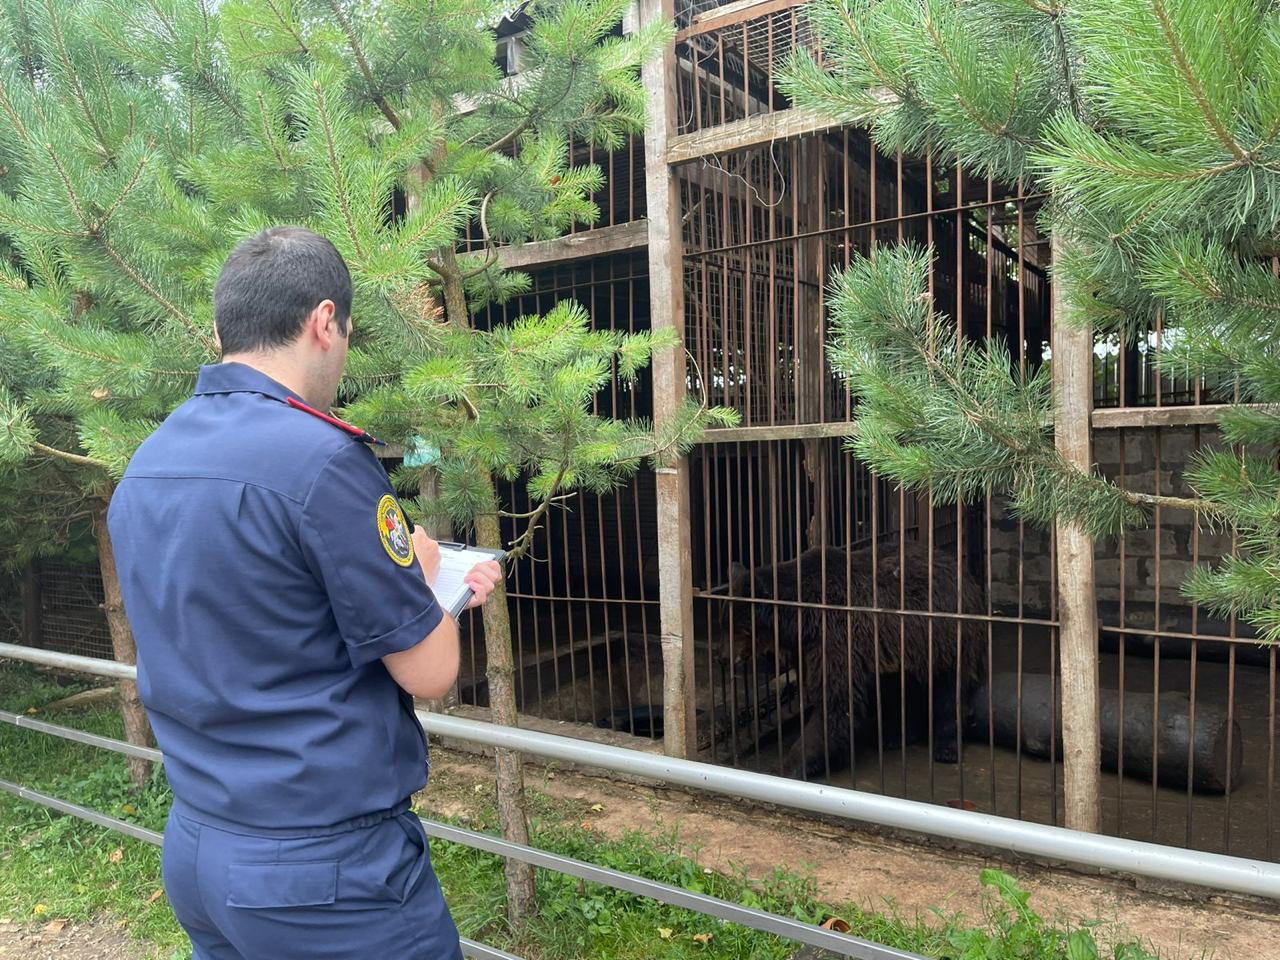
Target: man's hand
[428, 553]
[482, 579]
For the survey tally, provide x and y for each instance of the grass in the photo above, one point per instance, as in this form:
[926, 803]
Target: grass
[58, 867]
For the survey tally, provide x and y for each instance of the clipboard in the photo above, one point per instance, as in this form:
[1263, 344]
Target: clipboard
[456, 561]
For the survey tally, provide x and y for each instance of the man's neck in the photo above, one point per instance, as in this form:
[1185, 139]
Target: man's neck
[280, 369]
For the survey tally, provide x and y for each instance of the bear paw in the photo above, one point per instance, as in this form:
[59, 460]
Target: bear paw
[946, 752]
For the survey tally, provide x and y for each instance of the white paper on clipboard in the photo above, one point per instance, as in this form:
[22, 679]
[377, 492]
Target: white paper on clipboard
[456, 561]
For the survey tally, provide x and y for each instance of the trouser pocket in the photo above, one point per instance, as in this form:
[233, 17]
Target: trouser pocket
[261, 886]
[416, 855]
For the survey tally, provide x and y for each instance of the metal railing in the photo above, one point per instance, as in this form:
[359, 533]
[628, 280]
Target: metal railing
[1215, 871]
[540, 744]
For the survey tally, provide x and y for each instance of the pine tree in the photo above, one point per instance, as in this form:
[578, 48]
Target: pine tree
[1153, 127]
[141, 141]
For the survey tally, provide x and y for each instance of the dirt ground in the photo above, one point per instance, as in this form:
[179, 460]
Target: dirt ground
[58, 941]
[852, 866]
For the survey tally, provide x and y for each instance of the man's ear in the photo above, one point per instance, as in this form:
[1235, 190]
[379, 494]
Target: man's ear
[322, 324]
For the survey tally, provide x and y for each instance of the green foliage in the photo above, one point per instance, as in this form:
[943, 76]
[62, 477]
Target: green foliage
[1155, 129]
[1013, 929]
[957, 419]
[140, 142]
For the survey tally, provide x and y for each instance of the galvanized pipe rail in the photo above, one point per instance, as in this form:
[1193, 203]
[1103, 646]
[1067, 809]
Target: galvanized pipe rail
[653, 889]
[837, 943]
[1134, 857]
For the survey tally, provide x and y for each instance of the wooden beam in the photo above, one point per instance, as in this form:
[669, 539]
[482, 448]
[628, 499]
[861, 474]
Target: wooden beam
[1077, 588]
[732, 14]
[751, 132]
[780, 431]
[599, 242]
[1191, 416]
[666, 304]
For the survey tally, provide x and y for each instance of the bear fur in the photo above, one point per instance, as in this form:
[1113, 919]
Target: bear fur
[850, 668]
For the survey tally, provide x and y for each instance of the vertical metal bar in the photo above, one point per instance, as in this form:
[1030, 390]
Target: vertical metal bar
[1191, 693]
[726, 325]
[796, 451]
[1124, 622]
[1054, 648]
[1022, 530]
[1159, 625]
[773, 501]
[874, 573]
[773, 319]
[959, 584]
[929, 626]
[733, 549]
[748, 281]
[1271, 752]
[720, 55]
[902, 552]
[753, 464]
[1231, 723]
[710, 462]
[635, 505]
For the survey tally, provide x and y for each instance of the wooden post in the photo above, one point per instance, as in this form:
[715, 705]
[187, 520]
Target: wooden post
[666, 301]
[32, 606]
[1077, 595]
[137, 730]
[500, 671]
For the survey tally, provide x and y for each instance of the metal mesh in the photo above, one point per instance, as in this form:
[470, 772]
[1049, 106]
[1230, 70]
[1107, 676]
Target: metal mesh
[727, 61]
[72, 620]
[10, 608]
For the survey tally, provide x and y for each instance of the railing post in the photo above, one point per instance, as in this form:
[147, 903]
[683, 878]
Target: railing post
[666, 303]
[1077, 586]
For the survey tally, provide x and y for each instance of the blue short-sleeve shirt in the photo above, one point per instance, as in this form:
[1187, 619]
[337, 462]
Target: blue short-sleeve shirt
[266, 567]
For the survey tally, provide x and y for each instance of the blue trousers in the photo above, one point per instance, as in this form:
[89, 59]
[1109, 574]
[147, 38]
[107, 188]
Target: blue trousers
[364, 892]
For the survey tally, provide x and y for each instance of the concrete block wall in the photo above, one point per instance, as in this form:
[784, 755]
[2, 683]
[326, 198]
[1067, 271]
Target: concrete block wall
[1154, 565]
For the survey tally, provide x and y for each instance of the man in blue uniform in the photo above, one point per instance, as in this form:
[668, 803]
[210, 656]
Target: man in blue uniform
[284, 617]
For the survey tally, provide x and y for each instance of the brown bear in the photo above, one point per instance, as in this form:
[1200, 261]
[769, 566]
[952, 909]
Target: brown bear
[845, 656]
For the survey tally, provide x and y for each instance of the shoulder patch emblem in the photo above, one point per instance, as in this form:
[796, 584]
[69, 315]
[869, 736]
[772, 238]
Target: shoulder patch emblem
[393, 531]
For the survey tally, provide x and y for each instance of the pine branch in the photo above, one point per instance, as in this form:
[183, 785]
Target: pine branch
[14, 117]
[335, 166]
[269, 134]
[288, 28]
[144, 285]
[79, 211]
[1001, 131]
[128, 189]
[55, 25]
[565, 498]
[1060, 41]
[1193, 82]
[354, 43]
[521, 546]
[68, 457]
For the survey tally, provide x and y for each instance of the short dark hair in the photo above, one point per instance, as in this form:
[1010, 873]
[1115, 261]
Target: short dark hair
[271, 282]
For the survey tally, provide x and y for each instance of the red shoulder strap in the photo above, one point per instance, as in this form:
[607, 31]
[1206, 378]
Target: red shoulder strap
[334, 421]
